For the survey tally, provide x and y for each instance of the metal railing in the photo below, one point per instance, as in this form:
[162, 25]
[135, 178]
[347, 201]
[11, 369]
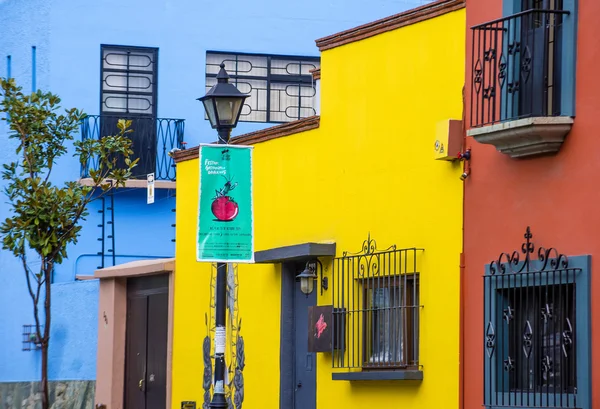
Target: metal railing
[516, 67]
[152, 140]
[529, 330]
[376, 309]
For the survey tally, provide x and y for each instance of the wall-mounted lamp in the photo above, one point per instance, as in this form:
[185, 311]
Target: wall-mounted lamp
[308, 277]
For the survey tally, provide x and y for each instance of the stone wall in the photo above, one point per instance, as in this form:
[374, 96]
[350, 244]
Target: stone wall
[63, 395]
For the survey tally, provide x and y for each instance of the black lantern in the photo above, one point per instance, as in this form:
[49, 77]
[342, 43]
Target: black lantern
[223, 103]
[307, 278]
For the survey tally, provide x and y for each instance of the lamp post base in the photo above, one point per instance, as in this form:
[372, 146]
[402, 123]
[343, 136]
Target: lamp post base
[218, 401]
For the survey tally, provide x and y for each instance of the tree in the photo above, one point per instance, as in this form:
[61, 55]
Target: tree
[45, 217]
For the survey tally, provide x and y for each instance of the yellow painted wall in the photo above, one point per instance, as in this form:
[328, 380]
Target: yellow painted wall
[369, 168]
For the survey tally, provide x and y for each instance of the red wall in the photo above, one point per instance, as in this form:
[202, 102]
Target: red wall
[558, 196]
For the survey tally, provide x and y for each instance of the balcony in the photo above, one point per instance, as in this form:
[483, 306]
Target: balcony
[152, 140]
[522, 91]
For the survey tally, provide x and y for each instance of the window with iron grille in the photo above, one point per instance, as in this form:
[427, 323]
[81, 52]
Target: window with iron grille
[376, 309]
[129, 81]
[129, 91]
[536, 329]
[281, 88]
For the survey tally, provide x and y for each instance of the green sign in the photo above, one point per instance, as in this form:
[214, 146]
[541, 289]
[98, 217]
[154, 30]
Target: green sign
[225, 214]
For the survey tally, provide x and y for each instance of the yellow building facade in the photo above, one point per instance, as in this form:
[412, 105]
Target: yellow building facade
[365, 168]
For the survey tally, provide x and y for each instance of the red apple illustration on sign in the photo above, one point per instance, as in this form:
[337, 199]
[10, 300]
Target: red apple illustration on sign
[223, 206]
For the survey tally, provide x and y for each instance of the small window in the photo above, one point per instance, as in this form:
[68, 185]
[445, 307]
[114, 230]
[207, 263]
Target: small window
[281, 88]
[390, 323]
[536, 330]
[128, 83]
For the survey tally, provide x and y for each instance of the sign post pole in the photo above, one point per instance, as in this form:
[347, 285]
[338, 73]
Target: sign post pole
[220, 316]
[225, 231]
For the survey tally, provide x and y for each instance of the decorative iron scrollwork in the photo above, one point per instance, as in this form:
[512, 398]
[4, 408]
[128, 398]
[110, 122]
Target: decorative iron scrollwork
[489, 92]
[502, 70]
[547, 313]
[489, 55]
[509, 365]
[512, 264]
[369, 257]
[508, 314]
[527, 339]
[490, 339]
[526, 64]
[567, 338]
[369, 247]
[514, 48]
[547, 366]
[477, 76]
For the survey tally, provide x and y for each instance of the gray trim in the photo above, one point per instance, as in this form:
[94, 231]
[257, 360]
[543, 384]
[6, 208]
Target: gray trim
[286, 352]
[410, 375]
[295, 252]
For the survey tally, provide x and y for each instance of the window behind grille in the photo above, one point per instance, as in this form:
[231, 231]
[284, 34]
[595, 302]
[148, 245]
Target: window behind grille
[390, 323]
[129, 91]
[535, 319]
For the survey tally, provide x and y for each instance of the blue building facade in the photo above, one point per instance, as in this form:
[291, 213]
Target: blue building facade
[84, 51]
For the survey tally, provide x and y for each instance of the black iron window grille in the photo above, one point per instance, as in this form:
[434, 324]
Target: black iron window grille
[517, 64]
[376, 309]
[153, 138]
[128, 80]
[281, 88]
[531, 319]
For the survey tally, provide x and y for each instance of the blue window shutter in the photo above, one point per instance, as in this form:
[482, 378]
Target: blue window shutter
[569, 58]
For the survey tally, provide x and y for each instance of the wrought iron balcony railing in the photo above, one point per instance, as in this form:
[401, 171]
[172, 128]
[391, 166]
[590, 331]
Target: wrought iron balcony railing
[153, 139]
[517, 64]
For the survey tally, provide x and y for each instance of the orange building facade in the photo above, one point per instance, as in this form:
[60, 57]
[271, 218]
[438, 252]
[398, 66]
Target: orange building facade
[529, 338]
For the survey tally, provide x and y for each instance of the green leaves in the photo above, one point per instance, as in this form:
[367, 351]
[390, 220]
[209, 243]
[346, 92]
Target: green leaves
[45, 217]
[106, 153]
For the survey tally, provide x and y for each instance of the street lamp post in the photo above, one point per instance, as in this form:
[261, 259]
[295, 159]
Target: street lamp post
[223, 104]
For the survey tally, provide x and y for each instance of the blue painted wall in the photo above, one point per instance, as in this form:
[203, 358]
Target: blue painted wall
[67, 35]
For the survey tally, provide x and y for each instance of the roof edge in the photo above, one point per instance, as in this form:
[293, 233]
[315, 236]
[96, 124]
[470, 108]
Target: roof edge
[274, 132]
[412, 16]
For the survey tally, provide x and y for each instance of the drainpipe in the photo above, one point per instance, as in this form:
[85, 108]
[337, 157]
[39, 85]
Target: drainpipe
[461, 392]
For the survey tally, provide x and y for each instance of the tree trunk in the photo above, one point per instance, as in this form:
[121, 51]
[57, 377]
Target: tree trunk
[44, 384]
[46, 338]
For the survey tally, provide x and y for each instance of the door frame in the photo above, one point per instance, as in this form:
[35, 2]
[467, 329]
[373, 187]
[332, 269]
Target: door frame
[112, 324]
[287, 350]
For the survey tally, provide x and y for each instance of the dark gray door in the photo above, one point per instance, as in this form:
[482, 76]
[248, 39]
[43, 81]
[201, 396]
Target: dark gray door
[146, 342]
[305, 391]
[298, 389]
